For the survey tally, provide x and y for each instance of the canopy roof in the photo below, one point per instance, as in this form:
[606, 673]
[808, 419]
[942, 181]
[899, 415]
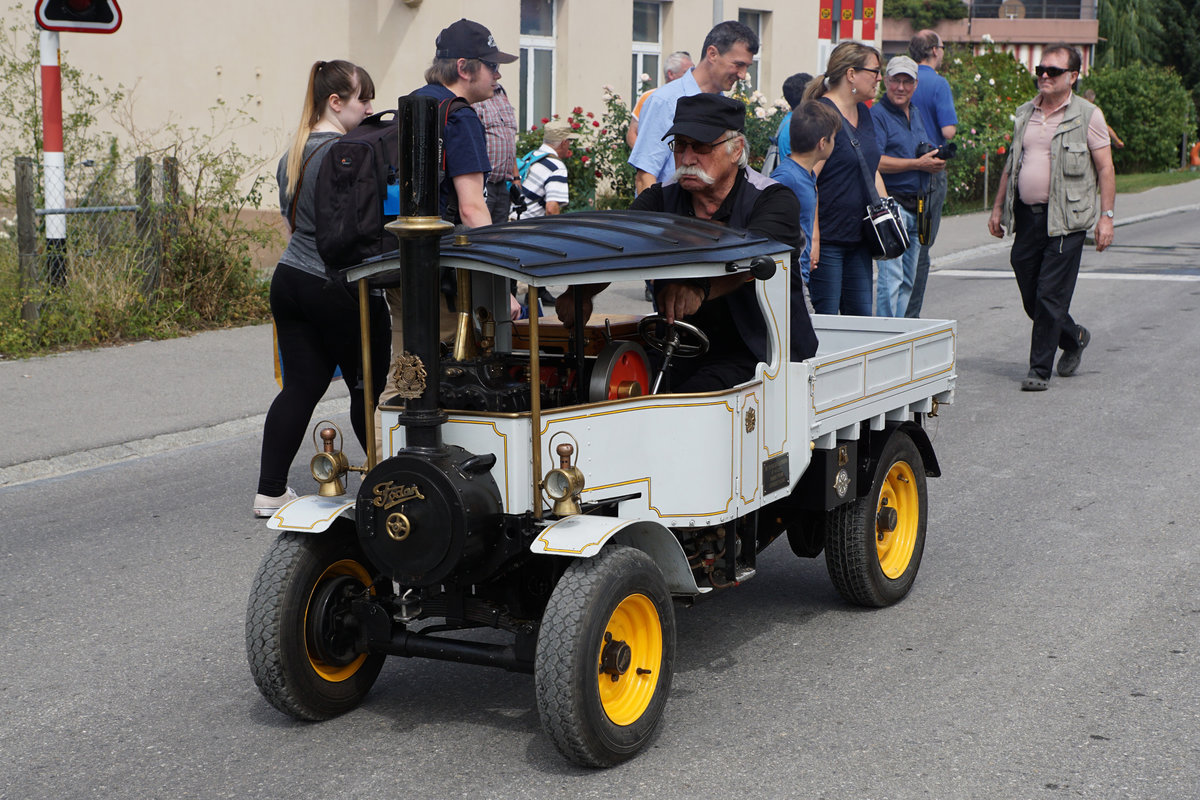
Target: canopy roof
[594, 247]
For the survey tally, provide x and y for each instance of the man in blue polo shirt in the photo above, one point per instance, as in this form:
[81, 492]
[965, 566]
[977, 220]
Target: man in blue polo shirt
[936, 101]
[900, 133]
[728, 52]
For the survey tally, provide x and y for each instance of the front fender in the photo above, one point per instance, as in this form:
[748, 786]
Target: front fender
[583, 536]
[311, 514]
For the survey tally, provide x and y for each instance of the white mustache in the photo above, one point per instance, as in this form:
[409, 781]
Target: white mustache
[695, 172]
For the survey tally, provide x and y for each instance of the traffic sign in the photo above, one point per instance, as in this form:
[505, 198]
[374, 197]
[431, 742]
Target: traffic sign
[78, 16]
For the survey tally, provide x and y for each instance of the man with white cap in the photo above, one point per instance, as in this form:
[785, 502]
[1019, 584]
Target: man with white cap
[545, 184]
[907, 160]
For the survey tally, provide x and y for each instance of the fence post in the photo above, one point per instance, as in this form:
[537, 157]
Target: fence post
[151, 256]
[26, 238]
[171, 210]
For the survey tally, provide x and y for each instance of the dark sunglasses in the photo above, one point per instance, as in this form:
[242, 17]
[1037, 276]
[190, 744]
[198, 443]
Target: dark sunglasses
[866, 69]
[1053, 72]
[492, 65]
[678, 145]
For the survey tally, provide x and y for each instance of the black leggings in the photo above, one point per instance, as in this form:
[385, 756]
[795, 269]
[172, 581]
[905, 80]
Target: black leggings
[317, 326]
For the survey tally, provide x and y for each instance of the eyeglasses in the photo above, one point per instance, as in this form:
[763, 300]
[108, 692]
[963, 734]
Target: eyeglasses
[678, 145]
[1053, 72]
[867, 69]
[492, 65]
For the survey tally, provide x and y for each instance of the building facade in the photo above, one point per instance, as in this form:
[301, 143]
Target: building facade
[179, 64]
[1021, 26]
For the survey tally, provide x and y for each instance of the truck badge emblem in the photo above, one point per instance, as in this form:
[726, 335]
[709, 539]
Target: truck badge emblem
[409, 374]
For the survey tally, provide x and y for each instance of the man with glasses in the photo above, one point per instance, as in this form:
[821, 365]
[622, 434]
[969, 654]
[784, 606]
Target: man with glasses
[935, 101]
[711, 181]
[1060, 156]
[728, 52]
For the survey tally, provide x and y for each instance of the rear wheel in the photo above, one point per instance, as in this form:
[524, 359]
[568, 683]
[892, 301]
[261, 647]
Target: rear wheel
[300, 637]
[604, 657]
[873, 546]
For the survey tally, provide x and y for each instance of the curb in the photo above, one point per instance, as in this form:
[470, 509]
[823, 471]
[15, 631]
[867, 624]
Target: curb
[69, 463]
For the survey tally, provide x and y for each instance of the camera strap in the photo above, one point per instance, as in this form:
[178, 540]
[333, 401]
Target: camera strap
[872, 192]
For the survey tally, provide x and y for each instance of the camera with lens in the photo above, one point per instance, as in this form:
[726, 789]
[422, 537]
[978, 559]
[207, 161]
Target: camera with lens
[945, 152]
[518, 199]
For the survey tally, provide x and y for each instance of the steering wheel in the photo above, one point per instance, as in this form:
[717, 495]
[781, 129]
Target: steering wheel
[680, 339]
[683, 339]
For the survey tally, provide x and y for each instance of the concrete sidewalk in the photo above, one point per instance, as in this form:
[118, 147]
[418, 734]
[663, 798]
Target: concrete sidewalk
[90, 407]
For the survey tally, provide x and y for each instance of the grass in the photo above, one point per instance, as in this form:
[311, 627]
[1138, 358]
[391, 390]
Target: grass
[1140, 182]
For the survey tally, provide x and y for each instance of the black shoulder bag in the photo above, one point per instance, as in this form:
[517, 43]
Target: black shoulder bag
[883, 228]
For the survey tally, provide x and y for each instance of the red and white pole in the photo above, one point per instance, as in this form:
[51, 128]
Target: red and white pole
[54, 162]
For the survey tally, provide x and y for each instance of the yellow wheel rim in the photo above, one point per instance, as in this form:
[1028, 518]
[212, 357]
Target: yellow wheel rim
[634, 624]
[895, 547]
[333, 672]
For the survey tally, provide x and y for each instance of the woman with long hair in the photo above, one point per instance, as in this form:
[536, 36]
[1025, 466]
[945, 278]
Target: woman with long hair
[316, 320]
[840, 280]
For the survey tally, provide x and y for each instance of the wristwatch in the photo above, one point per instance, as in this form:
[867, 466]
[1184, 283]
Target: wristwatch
[1108, 213]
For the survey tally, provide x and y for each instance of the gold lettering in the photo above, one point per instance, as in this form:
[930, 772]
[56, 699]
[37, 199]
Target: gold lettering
[387, 496]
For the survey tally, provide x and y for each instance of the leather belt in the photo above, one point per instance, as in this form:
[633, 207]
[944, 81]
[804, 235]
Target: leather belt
[1036, 209]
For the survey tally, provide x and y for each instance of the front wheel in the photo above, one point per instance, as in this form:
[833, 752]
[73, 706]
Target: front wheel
[873, 546]
[604, 657]
[300, 637]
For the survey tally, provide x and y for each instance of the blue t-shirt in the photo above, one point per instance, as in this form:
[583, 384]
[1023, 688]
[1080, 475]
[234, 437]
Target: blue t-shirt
[842, 184]
[898, 136]
[650, 152]
[783, 138]
[803, 184]
[936, 101]
[464, 142]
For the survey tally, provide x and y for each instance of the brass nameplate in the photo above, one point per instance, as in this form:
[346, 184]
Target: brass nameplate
[387, 495]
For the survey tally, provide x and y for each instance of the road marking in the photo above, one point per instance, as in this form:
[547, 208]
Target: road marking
[1106, 276]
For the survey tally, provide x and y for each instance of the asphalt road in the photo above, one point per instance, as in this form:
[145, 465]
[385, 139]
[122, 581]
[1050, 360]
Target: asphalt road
[1050, 647]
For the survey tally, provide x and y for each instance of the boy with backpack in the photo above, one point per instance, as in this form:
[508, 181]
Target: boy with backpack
[543, 173]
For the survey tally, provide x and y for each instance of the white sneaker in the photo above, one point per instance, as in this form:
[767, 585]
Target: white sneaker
[267, 506]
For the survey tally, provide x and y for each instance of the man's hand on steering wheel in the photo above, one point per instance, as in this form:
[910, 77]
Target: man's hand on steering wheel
[679, 300]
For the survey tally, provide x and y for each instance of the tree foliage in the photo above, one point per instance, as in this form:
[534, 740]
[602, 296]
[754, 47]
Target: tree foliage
[924, 13]
[1130, 32]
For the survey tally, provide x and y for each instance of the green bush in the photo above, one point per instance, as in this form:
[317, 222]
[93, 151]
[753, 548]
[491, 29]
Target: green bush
[987, 89]
[1149, 108]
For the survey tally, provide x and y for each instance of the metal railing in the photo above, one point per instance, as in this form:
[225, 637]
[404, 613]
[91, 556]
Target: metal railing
[1033, 9]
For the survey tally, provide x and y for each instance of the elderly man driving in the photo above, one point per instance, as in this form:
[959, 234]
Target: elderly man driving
[712, 182]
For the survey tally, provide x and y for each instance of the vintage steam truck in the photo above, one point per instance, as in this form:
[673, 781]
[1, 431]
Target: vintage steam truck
[536, 481]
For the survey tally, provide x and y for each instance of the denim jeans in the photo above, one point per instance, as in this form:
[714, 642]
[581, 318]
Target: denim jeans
[894, 284]
[841, 282]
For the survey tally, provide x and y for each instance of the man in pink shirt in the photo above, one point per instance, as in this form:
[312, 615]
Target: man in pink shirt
[1060, 158]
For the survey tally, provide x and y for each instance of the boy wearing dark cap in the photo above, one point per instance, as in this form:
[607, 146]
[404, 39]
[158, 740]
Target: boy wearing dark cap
[466, 64]
[711, 181]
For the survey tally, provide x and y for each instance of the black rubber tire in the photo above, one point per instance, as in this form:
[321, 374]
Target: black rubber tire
[277, 645]
[566, 671]
[851, 555]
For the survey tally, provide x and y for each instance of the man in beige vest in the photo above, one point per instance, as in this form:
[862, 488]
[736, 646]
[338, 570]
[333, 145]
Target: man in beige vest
[1060, 156]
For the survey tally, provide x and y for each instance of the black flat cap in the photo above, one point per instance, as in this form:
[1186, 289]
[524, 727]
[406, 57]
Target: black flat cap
[706, 117]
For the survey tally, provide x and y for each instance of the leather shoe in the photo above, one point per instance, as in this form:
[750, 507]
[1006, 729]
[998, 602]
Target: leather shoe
[1068, 362]
[1034, 383]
